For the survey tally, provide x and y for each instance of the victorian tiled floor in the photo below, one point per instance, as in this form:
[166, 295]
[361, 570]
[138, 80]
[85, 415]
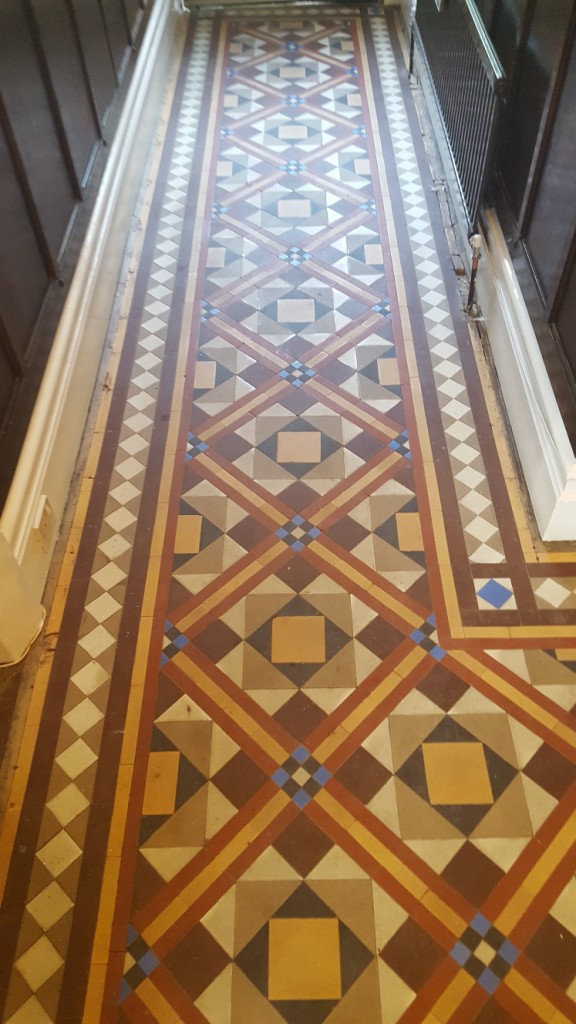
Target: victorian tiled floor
[304, 750]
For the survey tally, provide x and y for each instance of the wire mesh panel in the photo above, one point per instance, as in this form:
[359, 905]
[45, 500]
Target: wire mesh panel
[468, 81]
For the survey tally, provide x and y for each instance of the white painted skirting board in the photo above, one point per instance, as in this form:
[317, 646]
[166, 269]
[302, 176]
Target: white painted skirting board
[545, 453]
[46, 467]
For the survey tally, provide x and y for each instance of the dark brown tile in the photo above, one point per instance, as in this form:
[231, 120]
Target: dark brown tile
[493, 1013]
[300, 716]
[336, 372]
[217, 640]
[257, 375]
[298, 400]
[231, 447]
[365, 445]
[551, 771]
[442, 687]
[412, 954]
[239, 779]
[303, 845]
[298, 496]
[472, 874]
[380, 637]
[363, 775]
[553, 949]
[196, 961]
[347, 533]
[249, 532]
[297, 573]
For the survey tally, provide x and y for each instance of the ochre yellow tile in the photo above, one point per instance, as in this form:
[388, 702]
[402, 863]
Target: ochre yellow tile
[304, 959]
[371, 701]
[389, 861]
[161, 782]
[453, 996]
[514, 910]
[108, 897]
[457, 773]
[94, 992]
[409, 531]
[215, 869]
[205, 375]
[159, 1007]
[443, 912]
[388, 372]
[529, 995]
[299, 640]
[552, 856]
[566, 654]
[188, 530]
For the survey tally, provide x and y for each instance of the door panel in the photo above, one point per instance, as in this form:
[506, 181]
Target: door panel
[117, 29]
[23, 276]
[32, 123]
[553, 218]
[96, 54]
[566, 318]
[62, 55]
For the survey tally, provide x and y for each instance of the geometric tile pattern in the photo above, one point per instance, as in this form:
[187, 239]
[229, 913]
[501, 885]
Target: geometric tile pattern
[308, 722]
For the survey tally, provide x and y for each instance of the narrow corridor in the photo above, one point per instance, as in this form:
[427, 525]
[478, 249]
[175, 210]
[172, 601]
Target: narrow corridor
[304, 750]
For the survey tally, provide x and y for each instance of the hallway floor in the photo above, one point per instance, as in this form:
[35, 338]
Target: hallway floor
[302, 745]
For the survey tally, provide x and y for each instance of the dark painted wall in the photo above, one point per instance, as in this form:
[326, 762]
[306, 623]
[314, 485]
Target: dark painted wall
[64, 67]
[535, 40]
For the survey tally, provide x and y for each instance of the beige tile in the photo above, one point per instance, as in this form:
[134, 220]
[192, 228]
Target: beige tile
[205, 375]
[388, 372]
[299, 446]
[296, 311]
[39, 963]
[288, 208]
[49, 906]
[293, 131]
[292, 72]
[68, 804]
[59, 854]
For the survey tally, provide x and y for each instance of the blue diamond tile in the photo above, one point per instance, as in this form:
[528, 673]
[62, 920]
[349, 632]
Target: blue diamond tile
[489, 981]
[460, 954]
[280, 777]
[301, 754]
[508, 952]
[494, 593]
[301, 799]
[480, 924]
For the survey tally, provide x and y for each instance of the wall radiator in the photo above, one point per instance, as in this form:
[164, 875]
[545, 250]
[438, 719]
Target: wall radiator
[468, 81]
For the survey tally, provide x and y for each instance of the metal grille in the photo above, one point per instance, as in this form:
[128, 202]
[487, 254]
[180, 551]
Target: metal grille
[468, 81]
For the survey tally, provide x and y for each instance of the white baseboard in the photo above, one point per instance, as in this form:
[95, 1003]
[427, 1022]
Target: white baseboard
[31, 518]
[545, 452]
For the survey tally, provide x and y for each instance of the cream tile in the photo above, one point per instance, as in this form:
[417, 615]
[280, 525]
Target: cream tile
[59, 854]
[39, 963]
[49, 906]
